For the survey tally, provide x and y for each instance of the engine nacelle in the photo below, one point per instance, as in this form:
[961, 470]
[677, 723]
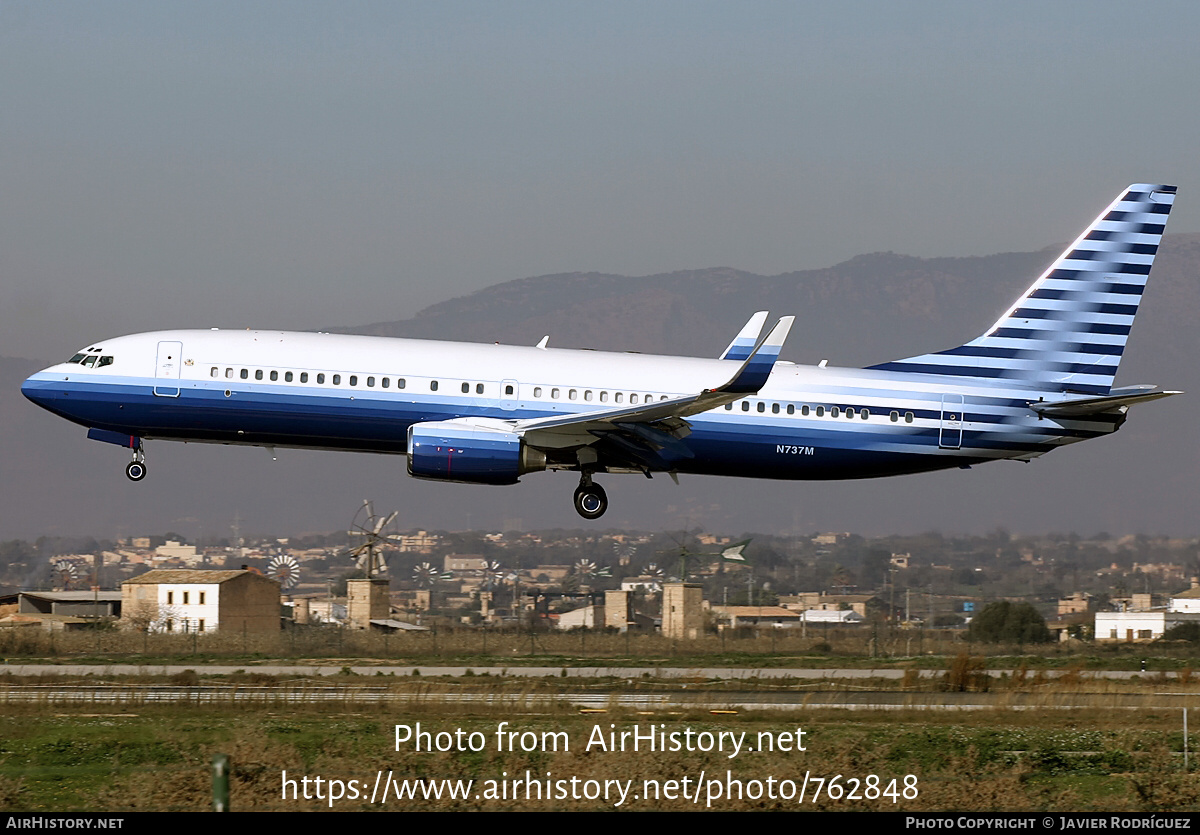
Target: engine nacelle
[470, 451]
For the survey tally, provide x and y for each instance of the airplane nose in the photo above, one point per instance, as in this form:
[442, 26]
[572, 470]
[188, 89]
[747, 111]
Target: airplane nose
[41, 390]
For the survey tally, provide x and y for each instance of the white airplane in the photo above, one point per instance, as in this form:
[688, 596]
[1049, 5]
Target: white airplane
[1039, 378]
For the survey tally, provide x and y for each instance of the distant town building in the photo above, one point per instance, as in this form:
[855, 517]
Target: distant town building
[588, 616]
[174, 550]
[735, 616]
[1078, 602]
[186, 600]
[1144, 623]
[421, 542]
[463, 562]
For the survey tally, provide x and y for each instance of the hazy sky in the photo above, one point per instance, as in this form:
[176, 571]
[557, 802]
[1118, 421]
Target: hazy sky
[300, 165]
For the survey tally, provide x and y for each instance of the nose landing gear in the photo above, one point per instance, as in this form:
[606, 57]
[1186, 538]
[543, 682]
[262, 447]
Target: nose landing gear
[590, 499]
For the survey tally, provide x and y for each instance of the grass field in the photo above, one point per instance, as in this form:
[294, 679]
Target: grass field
[156, 757]
[927, 649]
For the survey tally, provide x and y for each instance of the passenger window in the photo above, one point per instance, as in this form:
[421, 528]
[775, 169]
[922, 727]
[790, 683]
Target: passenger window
[229, 373]
[804, 410]
[274, 376]
[850, 412]
[633, 398]
[354, 379]
[834, 411]
[401, 383]
[537, 391]
[304, 376]
[619, 396]
[745, 405]
[894, 416]
[508, 390]
[587, 395]
[258, 375]
[433, 385]
[908, 417]
[774, 408]
[287, 377]
[820, 411]
[321, 379]
[572, 394]
[386, 382]
[866, 413]
[553, 394]
[337, 379]
[371, 382]
[791, 409]
[479, 388]
[466, 388]
[245, 374]
[729, 407]
[214, 372]
[762, 407]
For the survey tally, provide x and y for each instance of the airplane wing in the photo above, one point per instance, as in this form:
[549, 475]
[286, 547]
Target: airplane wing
[1078, 407]
[647, 436]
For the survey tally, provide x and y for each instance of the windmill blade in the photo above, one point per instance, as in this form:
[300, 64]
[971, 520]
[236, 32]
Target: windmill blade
[383, 523]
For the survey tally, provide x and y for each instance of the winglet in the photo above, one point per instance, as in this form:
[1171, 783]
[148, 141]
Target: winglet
[754, 372]
[542, 342]
[742, 345]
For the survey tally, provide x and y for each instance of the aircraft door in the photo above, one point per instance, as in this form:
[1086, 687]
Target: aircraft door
[950, 436]
[167, 368]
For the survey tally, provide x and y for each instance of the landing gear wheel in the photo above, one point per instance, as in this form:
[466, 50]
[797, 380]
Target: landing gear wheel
[135, 470]
[590, 501]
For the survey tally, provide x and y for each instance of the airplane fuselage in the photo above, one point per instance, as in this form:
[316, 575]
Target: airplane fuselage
[362, 393]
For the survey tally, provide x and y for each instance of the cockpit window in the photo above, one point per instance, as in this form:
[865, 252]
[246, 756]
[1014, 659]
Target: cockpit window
[104, 361]
[90, 360]
[77, 358]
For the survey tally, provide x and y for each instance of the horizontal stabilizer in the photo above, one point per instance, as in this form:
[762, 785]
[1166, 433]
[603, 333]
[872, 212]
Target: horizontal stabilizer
[1126, 396]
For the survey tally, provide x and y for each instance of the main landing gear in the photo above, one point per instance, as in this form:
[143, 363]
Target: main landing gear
[135, 470]
[590, 499]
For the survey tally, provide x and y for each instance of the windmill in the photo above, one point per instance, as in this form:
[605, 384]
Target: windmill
[730, 553]
[284, 569]
[623, 551]
[370, 525]
[66, 573]
[493, 575]
[425, 575]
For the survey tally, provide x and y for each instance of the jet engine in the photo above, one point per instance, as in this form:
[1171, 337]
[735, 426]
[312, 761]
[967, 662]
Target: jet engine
[470, 451]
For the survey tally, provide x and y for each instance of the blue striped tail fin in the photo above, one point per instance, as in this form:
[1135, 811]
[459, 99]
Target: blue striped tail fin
[1068, 331]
